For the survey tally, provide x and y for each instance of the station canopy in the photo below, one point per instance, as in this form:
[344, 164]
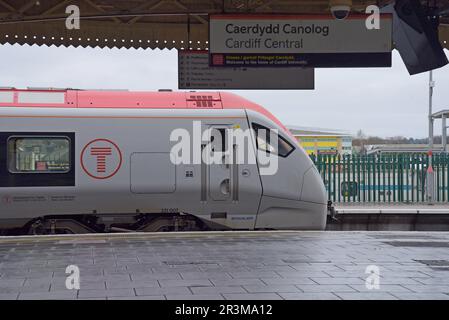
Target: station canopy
[180, 24]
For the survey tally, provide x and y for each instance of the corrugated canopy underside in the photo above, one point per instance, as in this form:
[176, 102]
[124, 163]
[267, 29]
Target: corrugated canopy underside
[180, 24]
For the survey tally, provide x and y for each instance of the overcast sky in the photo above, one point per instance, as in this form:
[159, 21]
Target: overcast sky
[380, 101]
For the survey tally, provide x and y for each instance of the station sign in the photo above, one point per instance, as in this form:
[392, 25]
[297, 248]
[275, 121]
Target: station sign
[299, 40]
[194, 72]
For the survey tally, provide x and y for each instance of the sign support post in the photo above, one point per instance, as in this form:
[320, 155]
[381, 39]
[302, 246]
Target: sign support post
[430, 172]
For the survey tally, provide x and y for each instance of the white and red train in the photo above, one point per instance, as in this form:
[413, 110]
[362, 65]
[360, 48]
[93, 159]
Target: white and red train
[74, 161]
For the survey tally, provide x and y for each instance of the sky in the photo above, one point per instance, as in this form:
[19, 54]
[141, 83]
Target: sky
[384, 102]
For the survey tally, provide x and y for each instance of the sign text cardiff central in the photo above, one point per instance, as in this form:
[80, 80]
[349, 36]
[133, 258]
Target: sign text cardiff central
[290, 40]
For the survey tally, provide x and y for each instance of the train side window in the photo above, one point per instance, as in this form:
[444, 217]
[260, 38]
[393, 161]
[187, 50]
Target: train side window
[284, 148]
[39, 154]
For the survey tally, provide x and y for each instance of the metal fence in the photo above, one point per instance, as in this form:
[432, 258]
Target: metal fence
[382, 178]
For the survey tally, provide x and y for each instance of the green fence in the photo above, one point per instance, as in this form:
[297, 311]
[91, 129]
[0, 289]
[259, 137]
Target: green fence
[382, 178]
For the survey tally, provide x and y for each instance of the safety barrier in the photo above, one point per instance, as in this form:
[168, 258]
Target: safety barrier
[382, 178]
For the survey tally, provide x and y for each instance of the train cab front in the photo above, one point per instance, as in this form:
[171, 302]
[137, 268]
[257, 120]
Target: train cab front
[305, 210]
[294, 196]
[313, 195]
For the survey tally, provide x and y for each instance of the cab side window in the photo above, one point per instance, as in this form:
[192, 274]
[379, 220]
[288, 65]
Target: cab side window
[263, 140]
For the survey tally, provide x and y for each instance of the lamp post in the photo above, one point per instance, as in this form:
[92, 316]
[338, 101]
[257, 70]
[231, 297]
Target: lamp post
[430, 173]
[444, 133]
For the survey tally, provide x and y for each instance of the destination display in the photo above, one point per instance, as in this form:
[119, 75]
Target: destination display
[194, 72]
[288, 40]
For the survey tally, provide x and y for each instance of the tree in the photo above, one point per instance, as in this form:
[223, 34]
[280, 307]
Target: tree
[360, 135]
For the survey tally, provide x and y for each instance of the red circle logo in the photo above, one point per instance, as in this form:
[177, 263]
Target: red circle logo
[101, 159]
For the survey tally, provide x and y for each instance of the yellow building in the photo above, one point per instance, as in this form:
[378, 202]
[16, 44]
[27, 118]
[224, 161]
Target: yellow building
[322, 141]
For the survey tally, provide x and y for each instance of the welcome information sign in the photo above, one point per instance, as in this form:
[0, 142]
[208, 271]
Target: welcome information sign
[194, 72]
[291, 40]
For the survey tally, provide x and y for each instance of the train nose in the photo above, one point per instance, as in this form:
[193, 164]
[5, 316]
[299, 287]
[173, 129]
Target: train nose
[313, 189]
[313, 194]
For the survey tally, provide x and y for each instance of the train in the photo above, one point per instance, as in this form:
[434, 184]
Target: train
[89, 161]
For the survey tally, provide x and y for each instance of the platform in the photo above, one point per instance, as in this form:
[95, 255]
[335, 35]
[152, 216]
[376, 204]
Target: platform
[227, 265]
[391, 208]
[390, 216]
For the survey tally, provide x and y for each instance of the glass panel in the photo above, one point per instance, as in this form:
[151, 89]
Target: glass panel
[39, 154]
[263, 142]
[284, 148]
[219, 139]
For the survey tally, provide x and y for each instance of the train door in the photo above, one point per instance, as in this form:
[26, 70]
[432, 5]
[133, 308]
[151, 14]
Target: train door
[220, 185]
[233, 188]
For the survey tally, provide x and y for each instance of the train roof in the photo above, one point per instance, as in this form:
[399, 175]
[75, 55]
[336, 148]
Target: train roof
[123, 99]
